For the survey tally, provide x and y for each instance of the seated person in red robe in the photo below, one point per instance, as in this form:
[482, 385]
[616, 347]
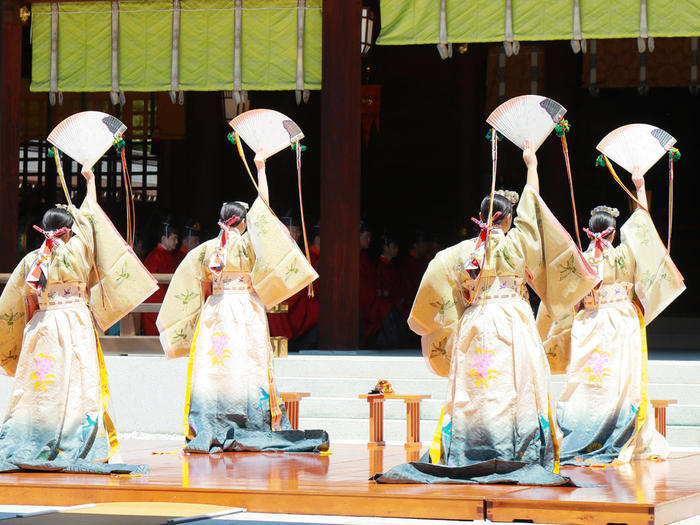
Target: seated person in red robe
[190, 239]
[413, 266]
[388, 277]
[304, 310]
[162, 259]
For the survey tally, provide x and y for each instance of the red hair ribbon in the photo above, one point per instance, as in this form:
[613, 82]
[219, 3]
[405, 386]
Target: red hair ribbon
[217, 262]
[476, 262]
[600, 242]
[41, 264]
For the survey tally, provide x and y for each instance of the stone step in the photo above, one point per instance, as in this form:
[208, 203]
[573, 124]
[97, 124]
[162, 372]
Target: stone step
[683, 436]
[357, 430]
[393, 368]
[338, 407]
[341, 407]
[349, 387]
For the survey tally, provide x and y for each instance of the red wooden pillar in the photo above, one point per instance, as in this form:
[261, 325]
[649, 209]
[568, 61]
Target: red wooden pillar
[340, 174]
[10, 77]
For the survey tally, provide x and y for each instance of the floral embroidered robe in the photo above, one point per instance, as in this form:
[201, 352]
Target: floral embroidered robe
[604, 410]
[497, 400]
[232, 402]
[57, 416]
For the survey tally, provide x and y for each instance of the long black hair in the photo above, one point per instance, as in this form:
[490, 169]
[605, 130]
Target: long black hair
[56, 218]
[500, 203]
[237, 208]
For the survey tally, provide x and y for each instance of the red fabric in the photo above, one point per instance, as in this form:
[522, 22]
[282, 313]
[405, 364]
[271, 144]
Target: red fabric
[389, 283]
[411, 270]
[159, 260]
[303, 311]
[373, 308]
[180, 254]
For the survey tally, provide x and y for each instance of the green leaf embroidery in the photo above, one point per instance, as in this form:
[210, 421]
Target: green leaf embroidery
[180, 335]
[443, 305]
[186, 297]
[122, 275]
[261, 223]
[243, 251]
[438, 349]
[502, 253]
[620, 262]
[568, 269]
[13, 355]
[11, 317]
[292, 269]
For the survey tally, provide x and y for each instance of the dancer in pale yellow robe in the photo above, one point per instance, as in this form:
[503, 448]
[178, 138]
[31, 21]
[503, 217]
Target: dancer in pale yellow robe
[232, 402]
[604, 410]
[478, 330]
[57, 416]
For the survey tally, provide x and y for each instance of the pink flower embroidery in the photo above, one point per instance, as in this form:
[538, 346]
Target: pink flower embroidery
[482, 371]
[219, 350]
[596, 367]
[43, 365]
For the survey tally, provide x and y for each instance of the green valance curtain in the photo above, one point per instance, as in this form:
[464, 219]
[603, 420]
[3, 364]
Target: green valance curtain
[84, 38]
[418, 21]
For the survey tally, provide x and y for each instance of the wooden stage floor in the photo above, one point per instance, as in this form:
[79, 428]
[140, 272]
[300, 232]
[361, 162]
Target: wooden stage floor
[642, 492]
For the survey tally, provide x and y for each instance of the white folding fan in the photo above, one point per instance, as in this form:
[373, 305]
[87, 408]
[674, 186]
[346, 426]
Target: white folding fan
[527, 118]
[633, 145]
[266, 131]
[86, 136]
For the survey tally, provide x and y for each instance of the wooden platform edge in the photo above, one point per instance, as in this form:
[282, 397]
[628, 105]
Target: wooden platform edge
[677, 510]
[273, 501]
[543, 511]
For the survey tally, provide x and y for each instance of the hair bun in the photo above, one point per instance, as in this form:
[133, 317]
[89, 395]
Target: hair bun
[606, 209]
[511, 195]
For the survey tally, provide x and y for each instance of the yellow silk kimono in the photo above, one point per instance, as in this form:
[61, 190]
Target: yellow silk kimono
[57, 415]
[604, 410]
[232, 402]
[497, 400]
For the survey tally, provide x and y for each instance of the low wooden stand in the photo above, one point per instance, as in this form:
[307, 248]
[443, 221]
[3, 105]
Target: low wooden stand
[376, 418]
[291, 404]
[660, 406]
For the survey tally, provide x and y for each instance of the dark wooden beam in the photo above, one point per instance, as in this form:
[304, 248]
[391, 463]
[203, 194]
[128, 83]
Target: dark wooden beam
[340, 175]
[10, 77]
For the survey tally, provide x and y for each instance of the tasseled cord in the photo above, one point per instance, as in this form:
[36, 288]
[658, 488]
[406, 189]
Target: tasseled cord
[561, 130]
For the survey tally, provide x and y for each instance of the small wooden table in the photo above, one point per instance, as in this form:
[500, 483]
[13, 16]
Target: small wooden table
[291, 404]
[376, 417]
[660, 406]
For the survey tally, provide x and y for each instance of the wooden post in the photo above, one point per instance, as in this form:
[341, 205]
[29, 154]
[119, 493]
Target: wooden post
[376, 419]
[10, 78]
[340, 175]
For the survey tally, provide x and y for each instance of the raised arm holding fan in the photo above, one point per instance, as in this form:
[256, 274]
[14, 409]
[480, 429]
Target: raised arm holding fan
[478, 329]
[604, 410]
[214, 312]
[58, 419]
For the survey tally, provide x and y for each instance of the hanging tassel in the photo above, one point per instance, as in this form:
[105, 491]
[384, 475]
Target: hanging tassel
[298, 148]
[602, 160]
[561, 130]
[120, 146]
[673, 156]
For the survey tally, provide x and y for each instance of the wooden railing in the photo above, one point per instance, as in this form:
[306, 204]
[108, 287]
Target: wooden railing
[129, 342]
